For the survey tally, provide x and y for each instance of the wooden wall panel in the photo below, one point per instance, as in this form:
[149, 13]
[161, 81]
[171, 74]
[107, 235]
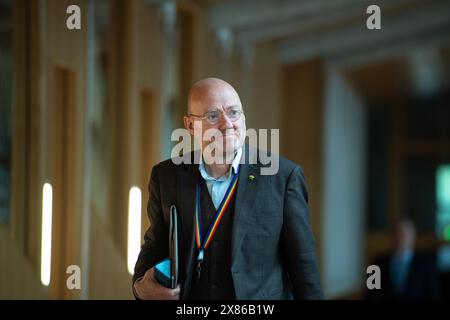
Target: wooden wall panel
[63, 177]
[147, 136]
[118, 115]
[26, 124]
[301, 130]
[18, 278]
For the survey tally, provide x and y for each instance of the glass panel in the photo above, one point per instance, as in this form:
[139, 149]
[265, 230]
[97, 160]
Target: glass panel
[443, 202]
[98, 120]
[6, 63]
[378, 168]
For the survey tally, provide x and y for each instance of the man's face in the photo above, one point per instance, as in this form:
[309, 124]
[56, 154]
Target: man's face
[404, 236]
[219, 100]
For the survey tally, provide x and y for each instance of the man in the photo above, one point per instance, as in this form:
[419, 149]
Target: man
[405, 273]
[262, 247]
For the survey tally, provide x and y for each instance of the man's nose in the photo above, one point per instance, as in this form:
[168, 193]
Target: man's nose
[225, 122]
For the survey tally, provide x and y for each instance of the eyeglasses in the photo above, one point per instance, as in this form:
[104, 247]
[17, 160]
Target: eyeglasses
[213, 117]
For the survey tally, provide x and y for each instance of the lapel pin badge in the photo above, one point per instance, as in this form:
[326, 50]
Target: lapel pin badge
[251, 177]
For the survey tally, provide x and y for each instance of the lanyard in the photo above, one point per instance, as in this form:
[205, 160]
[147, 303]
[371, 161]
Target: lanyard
[204, 241]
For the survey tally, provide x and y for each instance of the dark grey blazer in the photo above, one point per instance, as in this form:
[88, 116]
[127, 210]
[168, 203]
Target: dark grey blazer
[273, 252]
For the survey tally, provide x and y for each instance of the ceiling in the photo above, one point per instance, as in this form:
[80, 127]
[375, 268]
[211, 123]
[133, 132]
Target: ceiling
[413, 43]
[302, 29]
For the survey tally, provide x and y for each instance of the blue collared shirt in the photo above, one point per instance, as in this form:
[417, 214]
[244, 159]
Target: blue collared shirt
[218, 187]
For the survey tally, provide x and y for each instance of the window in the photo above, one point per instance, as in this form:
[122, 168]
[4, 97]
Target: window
[443, 202]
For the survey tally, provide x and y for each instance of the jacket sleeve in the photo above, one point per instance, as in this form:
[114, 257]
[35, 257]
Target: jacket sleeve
[156, 246]
[297, 240]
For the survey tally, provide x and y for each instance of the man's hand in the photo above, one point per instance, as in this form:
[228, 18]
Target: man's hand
[148, 288]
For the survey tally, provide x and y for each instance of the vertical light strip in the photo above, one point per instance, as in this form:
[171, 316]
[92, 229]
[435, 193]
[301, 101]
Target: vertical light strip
[134, 227]
[46, 236]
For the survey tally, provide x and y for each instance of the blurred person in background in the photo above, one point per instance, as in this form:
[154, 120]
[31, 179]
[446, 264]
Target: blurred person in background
[405, 272]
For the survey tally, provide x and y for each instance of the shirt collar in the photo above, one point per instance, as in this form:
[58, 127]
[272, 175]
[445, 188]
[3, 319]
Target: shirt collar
[234, 167]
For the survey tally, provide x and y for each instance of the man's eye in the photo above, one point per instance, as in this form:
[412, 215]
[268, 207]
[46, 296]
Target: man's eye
[233, 113]
[212, 116]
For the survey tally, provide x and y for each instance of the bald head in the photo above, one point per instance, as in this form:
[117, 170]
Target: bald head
[212, 97]
[210, 93]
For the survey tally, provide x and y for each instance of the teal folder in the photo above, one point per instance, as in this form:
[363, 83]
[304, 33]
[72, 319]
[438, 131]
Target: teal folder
[166, 271]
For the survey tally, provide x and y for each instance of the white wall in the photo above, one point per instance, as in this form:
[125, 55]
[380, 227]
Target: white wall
[344, 188]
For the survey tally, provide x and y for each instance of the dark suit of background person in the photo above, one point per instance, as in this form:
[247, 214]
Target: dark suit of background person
[406, 273]
[272, 254]
[263, 247]
[421, 280]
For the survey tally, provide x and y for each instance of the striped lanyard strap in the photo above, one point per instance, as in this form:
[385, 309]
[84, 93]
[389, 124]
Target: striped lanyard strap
[204, 241]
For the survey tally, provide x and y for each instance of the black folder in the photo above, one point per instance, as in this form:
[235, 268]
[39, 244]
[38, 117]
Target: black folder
[166, 271]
